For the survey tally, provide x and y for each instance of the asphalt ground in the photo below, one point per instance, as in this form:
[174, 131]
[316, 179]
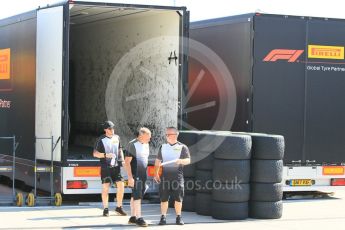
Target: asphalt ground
[300, 212]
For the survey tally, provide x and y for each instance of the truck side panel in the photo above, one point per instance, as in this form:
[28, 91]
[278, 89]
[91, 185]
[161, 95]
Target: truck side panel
[231, 41]
[279, 85]
[17, 89]
[325, 110]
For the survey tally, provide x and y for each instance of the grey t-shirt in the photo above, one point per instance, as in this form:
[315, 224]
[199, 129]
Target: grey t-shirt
[140, 154]
[106, 144]
[169, 152]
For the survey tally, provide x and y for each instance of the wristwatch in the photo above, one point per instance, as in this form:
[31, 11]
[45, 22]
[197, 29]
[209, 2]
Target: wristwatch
[105, 155]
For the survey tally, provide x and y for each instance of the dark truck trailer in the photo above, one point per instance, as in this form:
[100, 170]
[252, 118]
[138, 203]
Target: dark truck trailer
[289, 75]
[65, 68]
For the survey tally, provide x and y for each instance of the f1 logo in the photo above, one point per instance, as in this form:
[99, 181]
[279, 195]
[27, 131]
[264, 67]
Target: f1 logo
[283, 54]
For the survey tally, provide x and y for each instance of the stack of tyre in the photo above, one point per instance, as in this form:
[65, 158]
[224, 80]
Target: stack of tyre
[231, 176]
[266, 176]
[207, 144]
[189, 138]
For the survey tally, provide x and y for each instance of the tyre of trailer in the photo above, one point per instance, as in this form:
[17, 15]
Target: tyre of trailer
[266, 171]
[234, 147]
[268, 147]
[231, 171]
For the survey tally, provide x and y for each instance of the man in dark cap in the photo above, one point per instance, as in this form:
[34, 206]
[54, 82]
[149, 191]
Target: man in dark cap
[109, 151]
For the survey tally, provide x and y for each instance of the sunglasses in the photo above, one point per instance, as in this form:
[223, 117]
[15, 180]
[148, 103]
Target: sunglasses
[170, 134]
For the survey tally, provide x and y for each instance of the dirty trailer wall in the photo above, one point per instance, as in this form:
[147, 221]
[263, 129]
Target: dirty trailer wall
[119, 70]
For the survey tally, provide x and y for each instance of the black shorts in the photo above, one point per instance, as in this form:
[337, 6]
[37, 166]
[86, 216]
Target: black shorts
[139, 188]
[111, 175]
[173, 188]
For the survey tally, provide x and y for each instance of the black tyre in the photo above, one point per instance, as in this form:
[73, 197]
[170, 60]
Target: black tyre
[189, 170]
[203, 181]
[189, 186]
[231, 192]
[266, 192]
[203, 203]
[206, 163]
[268, 147]
[266, 210]
[188, 203]
[229, 211]
[190, 139]
[231, 171]
[234, 147]
[267, 171]
[208, 142]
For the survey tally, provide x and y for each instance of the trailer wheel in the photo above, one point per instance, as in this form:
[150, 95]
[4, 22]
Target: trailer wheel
[30, 200]
[19, 199]
[58, 199]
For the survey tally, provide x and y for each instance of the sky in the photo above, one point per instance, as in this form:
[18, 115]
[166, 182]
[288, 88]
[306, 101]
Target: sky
[206, 9]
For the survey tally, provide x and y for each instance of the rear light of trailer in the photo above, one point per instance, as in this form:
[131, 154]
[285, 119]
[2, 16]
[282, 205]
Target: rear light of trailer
[77, 184]
[151, 171]
[338, 182]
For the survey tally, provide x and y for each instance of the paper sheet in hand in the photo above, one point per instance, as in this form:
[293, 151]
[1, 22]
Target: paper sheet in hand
[168, 162]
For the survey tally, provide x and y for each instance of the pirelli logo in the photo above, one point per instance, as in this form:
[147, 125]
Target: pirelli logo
[5, 63]
[325, 52]
[283, 54]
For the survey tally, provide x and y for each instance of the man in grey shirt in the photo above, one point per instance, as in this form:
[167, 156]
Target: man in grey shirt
[136, 161]
[175, 155]
[109, 151]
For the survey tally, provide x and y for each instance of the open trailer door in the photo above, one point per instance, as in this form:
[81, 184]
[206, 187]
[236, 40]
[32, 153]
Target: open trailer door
[49, 69]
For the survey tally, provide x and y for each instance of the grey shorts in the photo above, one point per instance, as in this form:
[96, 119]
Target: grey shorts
[111, 175]
[139, 188]
[174, 189]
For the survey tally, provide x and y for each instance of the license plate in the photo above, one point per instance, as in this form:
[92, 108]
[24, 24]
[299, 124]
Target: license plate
[301, 182]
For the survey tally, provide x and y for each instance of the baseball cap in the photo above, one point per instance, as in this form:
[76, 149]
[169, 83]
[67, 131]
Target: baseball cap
[108, 124]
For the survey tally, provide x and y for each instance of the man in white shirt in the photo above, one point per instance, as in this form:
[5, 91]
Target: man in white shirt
[136, 161]
[176, 155]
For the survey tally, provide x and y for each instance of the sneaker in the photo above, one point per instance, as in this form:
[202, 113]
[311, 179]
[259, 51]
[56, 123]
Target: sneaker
[179, 220]
[106, 212]
[163, 220]
[119, 210]
[141, 222]
[132, 220]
